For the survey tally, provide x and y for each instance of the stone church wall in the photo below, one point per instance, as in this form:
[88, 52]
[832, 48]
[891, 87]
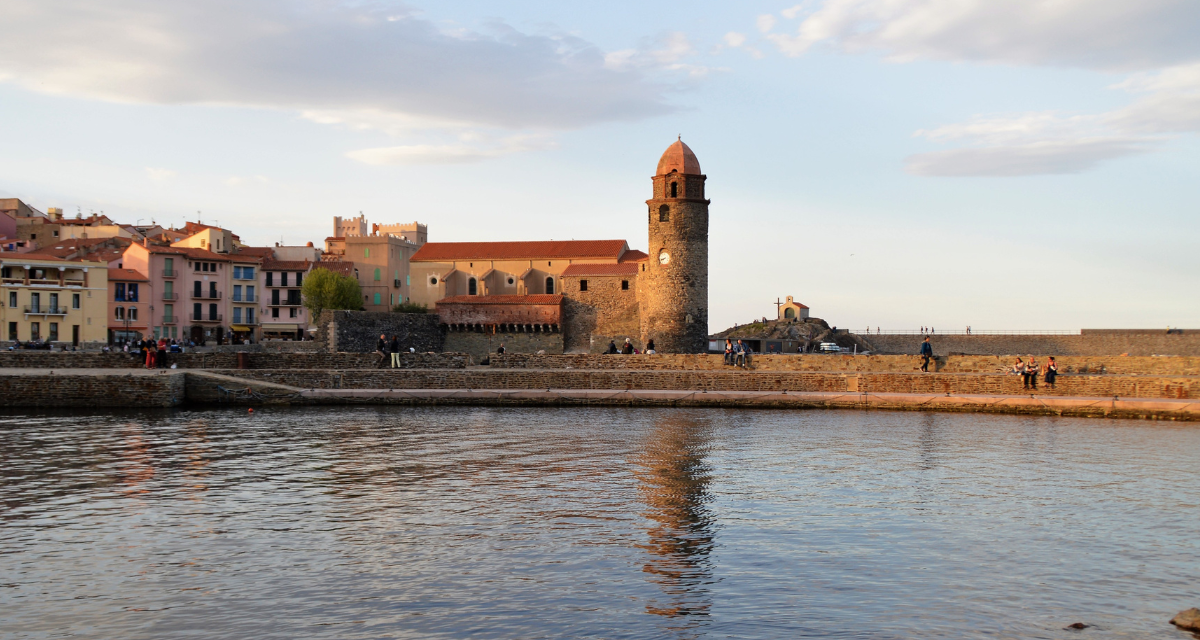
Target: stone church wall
[604, 312]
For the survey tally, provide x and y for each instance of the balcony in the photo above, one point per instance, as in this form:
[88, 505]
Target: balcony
[250, 323]
[249, 297]
[45, 311]
[73, 283]
[45, 282]
[126, 299]
[396, 283]
[205, 319]
[206, 295]
[170, 273]
[170, 319]
[245, 277]
[287, 302]
[167, 295]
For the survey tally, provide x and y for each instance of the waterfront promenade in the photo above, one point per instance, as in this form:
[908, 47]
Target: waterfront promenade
[1118, 386]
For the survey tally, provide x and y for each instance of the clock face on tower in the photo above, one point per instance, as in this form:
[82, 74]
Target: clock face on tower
[664, 257]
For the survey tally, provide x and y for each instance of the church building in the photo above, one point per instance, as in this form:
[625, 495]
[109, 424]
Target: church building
[603, 290]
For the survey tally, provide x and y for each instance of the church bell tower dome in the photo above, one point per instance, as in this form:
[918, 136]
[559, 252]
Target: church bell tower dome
[679, 158]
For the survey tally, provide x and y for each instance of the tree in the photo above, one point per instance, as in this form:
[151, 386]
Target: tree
[324, 289]
[410, 307]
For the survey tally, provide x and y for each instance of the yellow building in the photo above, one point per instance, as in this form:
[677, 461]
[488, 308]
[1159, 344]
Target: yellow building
[49, 299]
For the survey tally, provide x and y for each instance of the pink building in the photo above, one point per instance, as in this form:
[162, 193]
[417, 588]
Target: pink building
[129, 299]
[285, 316]
[190, 287]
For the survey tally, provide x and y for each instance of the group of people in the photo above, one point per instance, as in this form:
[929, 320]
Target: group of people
[628, 348]
[1029, 371]
[738, 354]
[386, 347]
[152, 353]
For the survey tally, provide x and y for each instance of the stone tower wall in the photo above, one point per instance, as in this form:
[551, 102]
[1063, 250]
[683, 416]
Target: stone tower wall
[671, 294]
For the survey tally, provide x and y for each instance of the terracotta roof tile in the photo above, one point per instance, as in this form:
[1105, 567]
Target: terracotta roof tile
[587, 269]
[341, 268]
[548, 249]
[633, 255]
[285, 265]
[126, 275]
[191, 252]
[678, 157]
[537, 298]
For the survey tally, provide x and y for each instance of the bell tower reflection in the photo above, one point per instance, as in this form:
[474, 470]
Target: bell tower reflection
[673, 479]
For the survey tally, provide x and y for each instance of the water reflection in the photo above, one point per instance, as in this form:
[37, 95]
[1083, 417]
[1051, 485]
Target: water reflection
[673, 482]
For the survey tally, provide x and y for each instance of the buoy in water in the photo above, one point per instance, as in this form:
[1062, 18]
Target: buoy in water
[251, 410]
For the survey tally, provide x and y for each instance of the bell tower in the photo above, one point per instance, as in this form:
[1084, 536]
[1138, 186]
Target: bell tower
[674, 286]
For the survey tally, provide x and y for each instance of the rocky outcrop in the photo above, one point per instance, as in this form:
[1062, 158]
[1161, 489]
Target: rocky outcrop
[1188, 620]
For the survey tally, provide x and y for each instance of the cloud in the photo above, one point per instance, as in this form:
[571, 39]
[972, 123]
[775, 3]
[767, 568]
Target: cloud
[159, 174]
[735, 39]
[667, 52]
[465, 151]
[1054, 143]
[1113, 35]
[237, 181]
[340, 60]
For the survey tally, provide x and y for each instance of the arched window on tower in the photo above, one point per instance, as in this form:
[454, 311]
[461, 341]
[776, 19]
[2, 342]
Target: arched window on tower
[674, 189]
[549, 284]
[664, 213]
[472, 287]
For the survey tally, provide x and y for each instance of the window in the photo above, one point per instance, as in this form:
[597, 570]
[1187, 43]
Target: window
[299, 279]
[212, 312]
[249, 293]
[54, 302]
[131, 292]
[510, 281]
[237, 315]
[274, 296]
[472, 287]
[237, 292]
[293, 297]
[133, 313]
[270, 279]
[212, 290]
[408, 281]
[433, 281]
[377, 274]
[275, 312]
[283, 279]
[549, 284]
[293, 312]
[196, 289]
[624, 285]
[118, 292]
[249, 315]
[169, 266]
[119, 313]
[366, 252]
[168, 313]
[196, 312]
[583, 285]
[378, 299]
[35, 301]
[664, 213]
[53, 332]
[204, 266]
[35, 331]
[12, 331]
[12, 299]
[674, 190]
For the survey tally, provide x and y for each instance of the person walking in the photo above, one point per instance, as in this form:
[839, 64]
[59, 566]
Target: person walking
[926, 354]
[728, 351]
[1051, 372]
[1033, 368]
[381, 348]
[161, 357]
[394, 347]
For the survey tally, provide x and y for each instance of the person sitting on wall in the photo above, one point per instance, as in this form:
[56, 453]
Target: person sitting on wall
[500, 351]
[650, 346]
[612, 347]
[627, 349]
[728, 351]
[743, 355]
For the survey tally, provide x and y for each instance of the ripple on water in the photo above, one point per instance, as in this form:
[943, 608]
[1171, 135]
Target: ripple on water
[395, 522]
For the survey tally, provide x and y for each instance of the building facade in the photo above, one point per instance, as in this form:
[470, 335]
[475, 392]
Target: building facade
[47, 299]
[129, 296]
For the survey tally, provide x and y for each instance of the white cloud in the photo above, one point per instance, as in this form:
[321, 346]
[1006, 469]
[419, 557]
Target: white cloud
[1037, 158]
[667, 52]
[765, 22]
[350, 63]
[237, 181]
[470, 149]
[155, 173]
[1095, 34]
[735, 39]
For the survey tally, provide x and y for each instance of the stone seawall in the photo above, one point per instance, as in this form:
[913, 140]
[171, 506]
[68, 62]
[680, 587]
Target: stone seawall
[202, 360]
[358, 331]
[480, 344]
[90, 390]
[1126, 365]
[1088, 344]
[1163, 387]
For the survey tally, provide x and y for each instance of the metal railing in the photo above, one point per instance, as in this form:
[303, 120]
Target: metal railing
[168, 295]
[170, 319]
[45, 311]
[208, 318]
[207, 295]
[964, 332]
[170, 273]
[250, 322]
[237, 297]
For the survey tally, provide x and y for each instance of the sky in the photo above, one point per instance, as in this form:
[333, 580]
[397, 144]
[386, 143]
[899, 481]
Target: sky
[1031, 164]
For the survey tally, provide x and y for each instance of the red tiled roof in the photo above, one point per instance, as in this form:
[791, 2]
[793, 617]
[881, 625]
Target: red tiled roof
[341, 268]
[587, 269]
[537, 298]
[257, 252]
[191, 252]
[285, 265]
[14, 257]
[633, 255]
[548, 249]
[126, 275]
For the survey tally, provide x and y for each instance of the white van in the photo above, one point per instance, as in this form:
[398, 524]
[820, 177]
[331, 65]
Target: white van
[829, 347]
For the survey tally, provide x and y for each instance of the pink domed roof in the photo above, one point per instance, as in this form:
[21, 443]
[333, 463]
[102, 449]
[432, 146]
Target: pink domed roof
[678, 157]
